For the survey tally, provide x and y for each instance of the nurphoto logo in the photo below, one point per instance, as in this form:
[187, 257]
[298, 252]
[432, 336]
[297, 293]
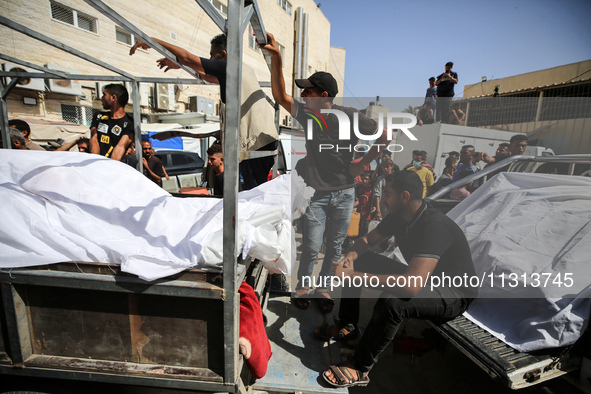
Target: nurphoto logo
[394, 121]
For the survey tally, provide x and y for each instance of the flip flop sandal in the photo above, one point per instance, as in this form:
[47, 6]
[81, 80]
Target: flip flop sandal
[345, 334]
[325, 305]
[344, 378]
[300, 302]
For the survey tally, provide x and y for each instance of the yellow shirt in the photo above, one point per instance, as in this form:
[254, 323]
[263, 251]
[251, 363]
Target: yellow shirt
[426, 177]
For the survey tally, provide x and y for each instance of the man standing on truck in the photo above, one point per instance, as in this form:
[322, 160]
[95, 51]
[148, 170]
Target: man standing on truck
[111, 132]
[434, 247]
[445, 92]
[256, 123]
[329, 171]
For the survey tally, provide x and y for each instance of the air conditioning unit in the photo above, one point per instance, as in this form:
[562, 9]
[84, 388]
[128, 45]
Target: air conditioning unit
[99, 89]
[201, 104]
[24, 83]
[165, 96]
[64, 86]
[144, 93]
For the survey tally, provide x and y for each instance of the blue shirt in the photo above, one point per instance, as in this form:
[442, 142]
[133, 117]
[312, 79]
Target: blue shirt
[472, 169]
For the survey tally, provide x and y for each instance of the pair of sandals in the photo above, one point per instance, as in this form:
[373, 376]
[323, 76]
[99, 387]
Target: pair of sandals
[324, 302]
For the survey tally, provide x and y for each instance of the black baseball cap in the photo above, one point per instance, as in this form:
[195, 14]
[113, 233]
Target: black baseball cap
[322, 80]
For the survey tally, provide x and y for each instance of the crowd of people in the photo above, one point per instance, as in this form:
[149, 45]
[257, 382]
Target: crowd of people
[370, 184]
[429, 241]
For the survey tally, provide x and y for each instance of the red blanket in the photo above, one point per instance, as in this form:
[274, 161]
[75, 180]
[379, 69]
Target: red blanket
[254, 343]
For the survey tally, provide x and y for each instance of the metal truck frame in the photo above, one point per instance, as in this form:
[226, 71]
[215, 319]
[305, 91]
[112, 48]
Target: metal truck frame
[20, 288]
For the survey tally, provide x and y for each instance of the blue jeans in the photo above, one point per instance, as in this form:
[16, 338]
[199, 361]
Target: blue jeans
[329, 213]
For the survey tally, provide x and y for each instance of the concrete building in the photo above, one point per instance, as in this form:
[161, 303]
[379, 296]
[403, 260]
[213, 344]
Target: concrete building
[299, 26]
[551, 106]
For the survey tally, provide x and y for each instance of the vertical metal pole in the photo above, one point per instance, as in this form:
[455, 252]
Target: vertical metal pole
[5, 90]
[539, 109]
[17, 325]
[304, 44]
[4, 124]
[298, 54]
[137, 130]
[230, 202]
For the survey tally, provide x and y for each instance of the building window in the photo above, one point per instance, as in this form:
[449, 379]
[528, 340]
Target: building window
[77, 114]
[286, 5]
[123, 36]
[282, 51]
[60, 12]
[220, 7]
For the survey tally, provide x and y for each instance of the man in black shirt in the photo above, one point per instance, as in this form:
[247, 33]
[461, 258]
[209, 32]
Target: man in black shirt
[434, 247]
[111, 132]
[445, 91]
[153, 168]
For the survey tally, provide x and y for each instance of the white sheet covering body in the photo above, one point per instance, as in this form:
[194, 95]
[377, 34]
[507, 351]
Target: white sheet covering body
[524, 227]
[66, 206]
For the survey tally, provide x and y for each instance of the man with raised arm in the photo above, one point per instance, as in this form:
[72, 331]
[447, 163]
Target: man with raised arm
[257, 127]
[329, 170]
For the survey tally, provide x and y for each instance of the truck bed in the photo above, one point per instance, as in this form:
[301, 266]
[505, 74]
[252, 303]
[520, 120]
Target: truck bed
[500, 361]
[90, 322]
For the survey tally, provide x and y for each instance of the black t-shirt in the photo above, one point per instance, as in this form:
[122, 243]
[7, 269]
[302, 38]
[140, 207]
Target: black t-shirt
[328, 170]
[216, 68]
[446, 86]
[110, 131]
[432, 234]
[155, 165]
[218, 184]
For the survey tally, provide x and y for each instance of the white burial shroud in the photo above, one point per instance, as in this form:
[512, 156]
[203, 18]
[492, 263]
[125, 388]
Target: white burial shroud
[67, 206]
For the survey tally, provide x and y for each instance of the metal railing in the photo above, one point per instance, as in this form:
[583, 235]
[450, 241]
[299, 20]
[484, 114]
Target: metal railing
[514, 164]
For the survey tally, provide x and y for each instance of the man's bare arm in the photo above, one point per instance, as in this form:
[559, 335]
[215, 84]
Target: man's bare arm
[415, 278]
[182, 55]
[94, 145]
[119, 150]
[69, 145]
[277, 81]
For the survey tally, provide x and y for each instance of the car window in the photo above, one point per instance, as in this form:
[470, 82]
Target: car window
[181, 159]
[163, 158]
[554, 168]
[582, 169]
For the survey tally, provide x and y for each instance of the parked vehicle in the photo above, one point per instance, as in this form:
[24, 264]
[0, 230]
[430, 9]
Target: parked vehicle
[292, 148]
[178, 162]
[501, 361]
